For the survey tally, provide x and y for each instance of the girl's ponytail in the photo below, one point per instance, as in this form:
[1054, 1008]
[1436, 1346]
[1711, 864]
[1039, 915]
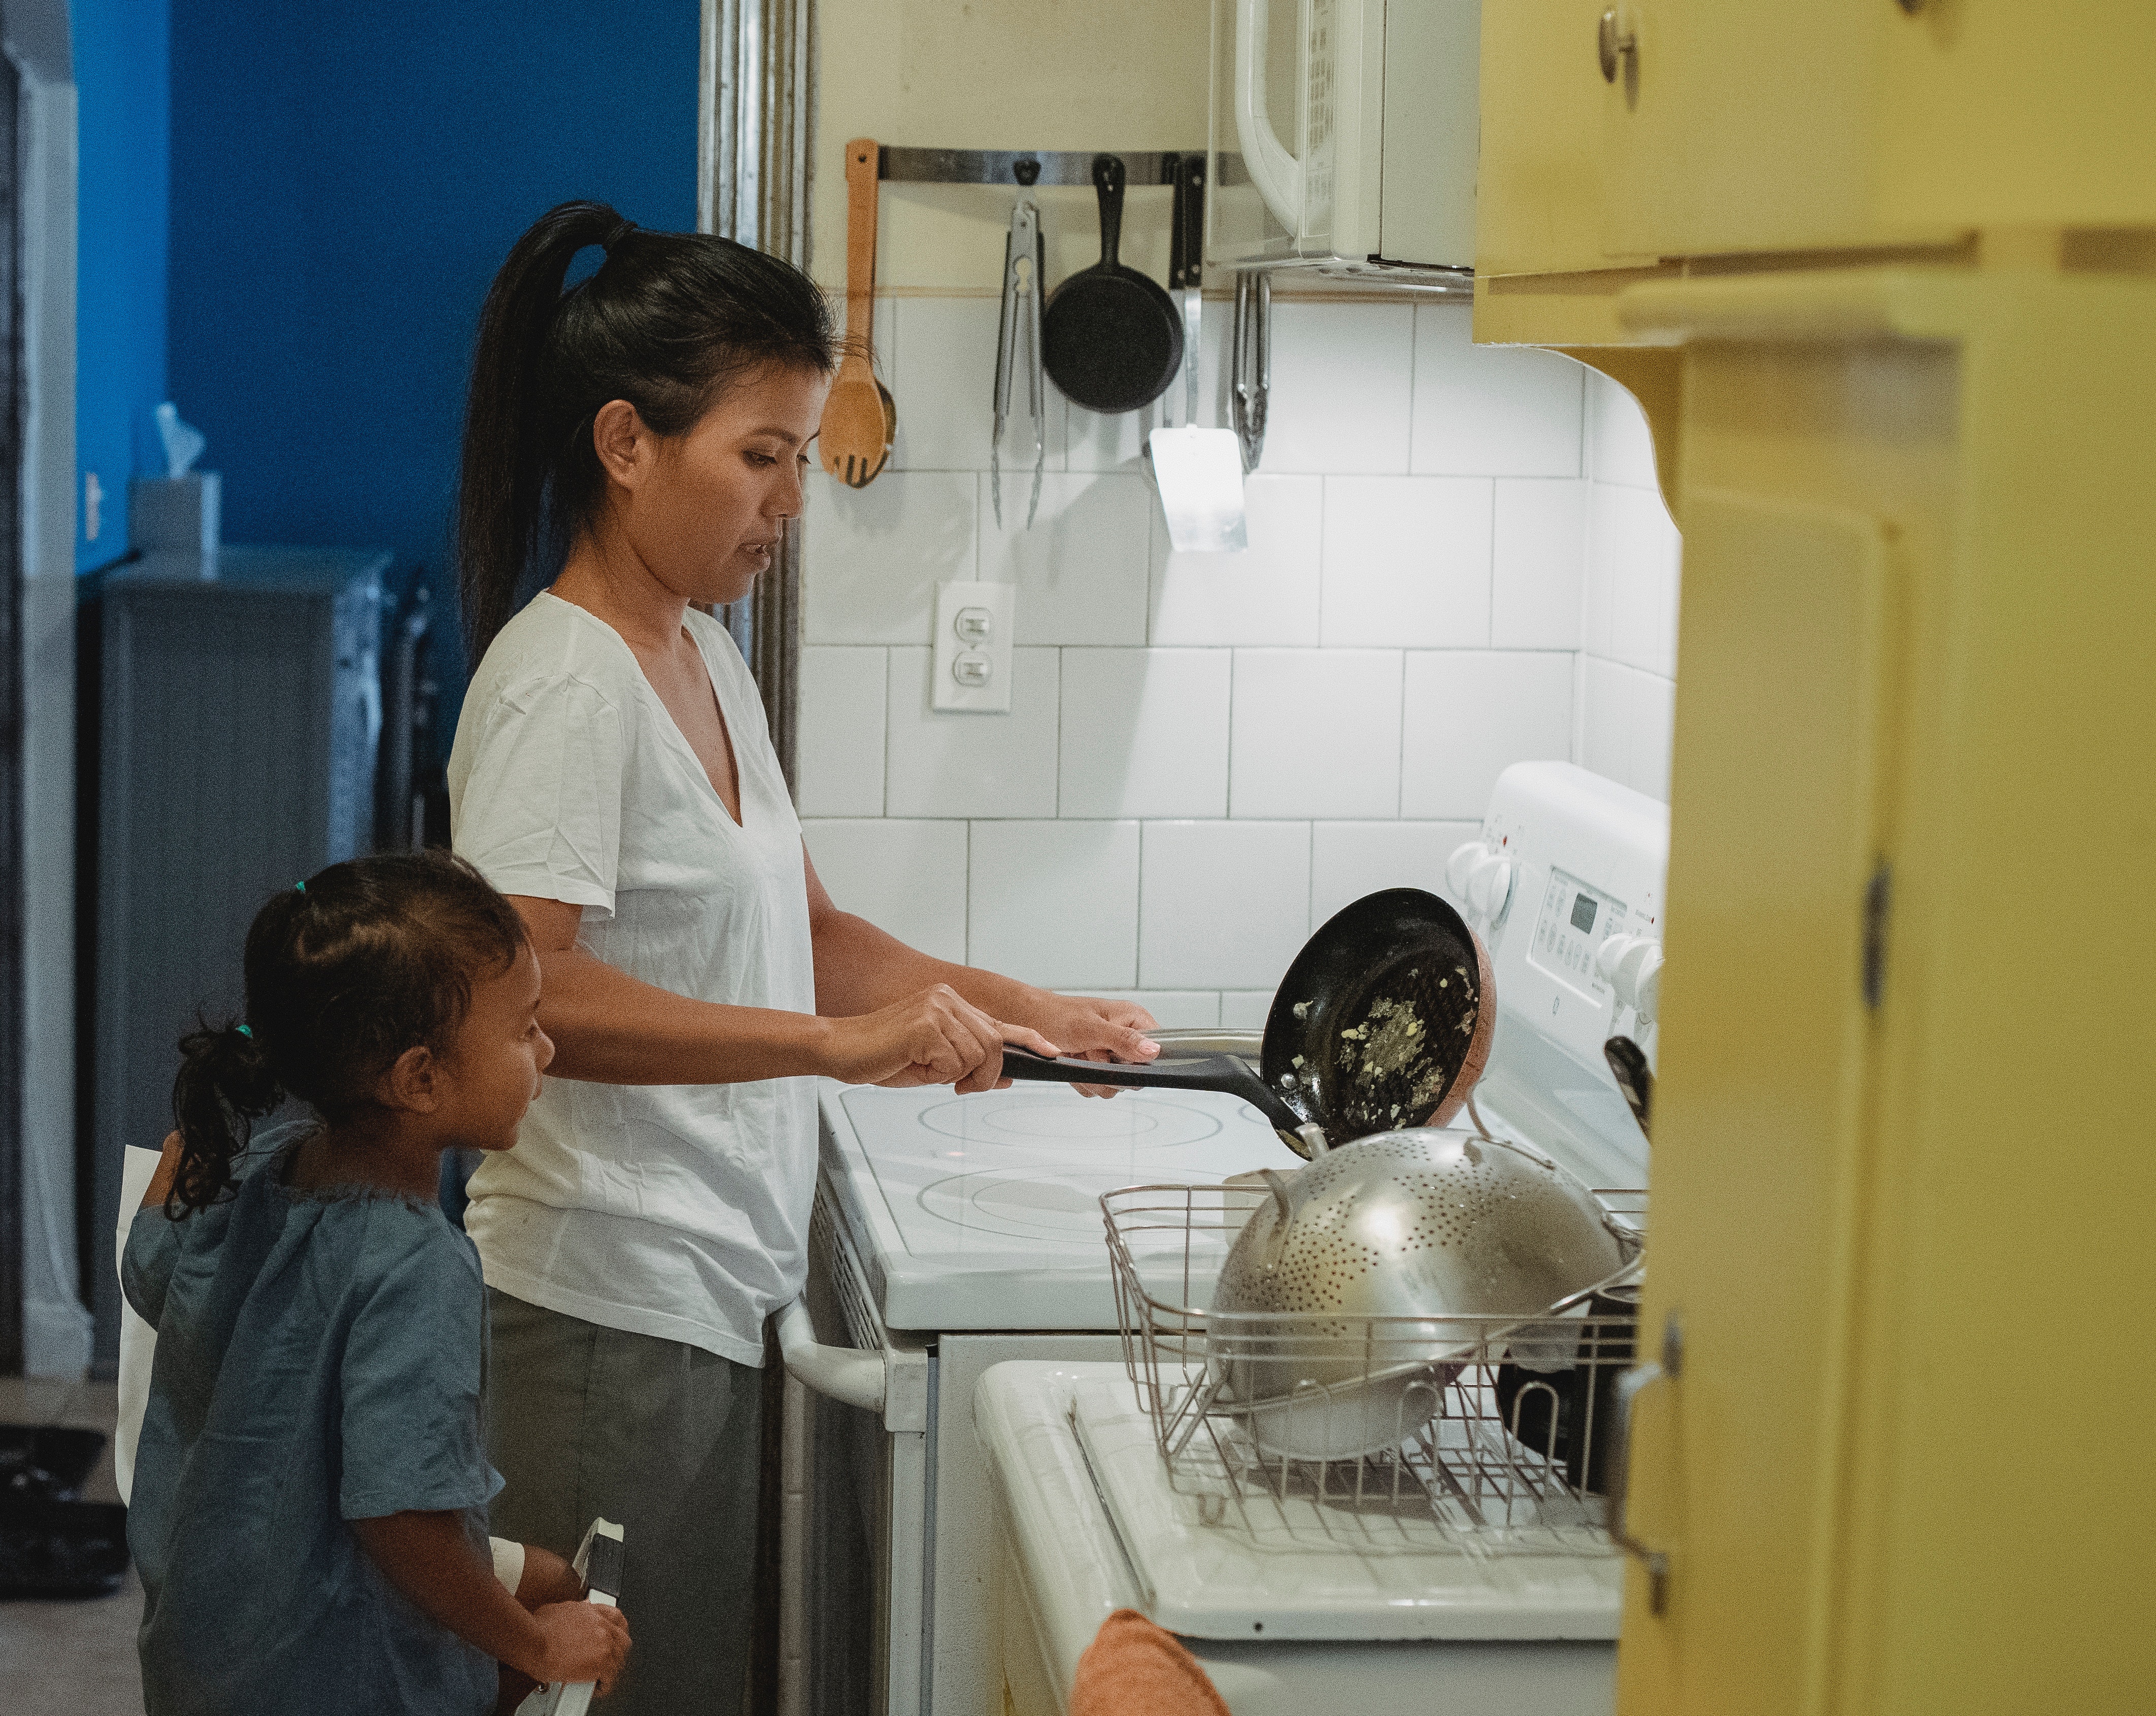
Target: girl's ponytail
[668, 320]
[225, 1085]
[508, 433]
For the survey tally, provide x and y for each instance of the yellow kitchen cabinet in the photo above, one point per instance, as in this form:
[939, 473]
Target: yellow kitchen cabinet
[1736, 127]
[1731, 125]
[1904, 1165]
[1885, 281]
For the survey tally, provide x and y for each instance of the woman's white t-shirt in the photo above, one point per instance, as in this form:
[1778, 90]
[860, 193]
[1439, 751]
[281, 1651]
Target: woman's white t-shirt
[680, 1211]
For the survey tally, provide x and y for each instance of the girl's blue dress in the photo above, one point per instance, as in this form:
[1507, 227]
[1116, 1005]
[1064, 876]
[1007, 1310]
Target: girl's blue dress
[320, 1360]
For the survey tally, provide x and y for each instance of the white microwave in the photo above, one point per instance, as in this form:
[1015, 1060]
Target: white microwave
[1343, 135]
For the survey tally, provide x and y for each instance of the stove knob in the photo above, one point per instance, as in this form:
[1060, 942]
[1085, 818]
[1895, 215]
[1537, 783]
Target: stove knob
[1462, 865]
[1647, 981]
[1629, 964]
[1489, 889]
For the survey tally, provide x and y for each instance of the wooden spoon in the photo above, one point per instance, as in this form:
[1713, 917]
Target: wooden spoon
[859, 416]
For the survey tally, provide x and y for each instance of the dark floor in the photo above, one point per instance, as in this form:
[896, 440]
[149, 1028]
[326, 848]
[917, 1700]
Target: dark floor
[71, 1659]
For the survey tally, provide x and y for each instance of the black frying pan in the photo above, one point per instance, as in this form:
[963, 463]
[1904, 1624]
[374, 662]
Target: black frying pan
[1110, 337]
[1384, 1020]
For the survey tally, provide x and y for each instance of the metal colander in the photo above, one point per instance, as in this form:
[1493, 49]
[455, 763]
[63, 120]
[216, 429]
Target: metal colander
[1412, 1227]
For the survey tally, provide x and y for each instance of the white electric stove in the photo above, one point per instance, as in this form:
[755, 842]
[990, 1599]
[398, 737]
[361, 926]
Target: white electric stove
[984, 1212]
[954, 1235]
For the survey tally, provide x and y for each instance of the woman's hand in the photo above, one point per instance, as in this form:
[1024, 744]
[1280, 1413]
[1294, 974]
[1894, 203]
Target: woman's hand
[934, 1037]
[580, 1642]
[1095, 1030]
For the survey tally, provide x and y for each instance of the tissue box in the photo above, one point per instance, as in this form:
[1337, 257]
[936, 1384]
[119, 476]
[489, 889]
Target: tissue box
[175, 516]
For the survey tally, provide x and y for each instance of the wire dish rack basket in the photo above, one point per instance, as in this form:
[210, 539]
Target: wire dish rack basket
[1374, 1433]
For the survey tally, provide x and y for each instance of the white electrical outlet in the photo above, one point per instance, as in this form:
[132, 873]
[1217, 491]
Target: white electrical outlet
[972, 670]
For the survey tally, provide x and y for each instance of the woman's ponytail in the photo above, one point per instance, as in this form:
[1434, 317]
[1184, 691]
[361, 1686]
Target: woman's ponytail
[667, 321]
[224, 1086]
[509, 438]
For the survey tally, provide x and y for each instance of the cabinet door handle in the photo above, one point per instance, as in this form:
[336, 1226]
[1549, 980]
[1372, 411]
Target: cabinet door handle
[1630, 1385]
[1613, 42]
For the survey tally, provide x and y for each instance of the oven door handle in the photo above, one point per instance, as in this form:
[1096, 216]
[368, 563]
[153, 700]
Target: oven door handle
[856, 1379]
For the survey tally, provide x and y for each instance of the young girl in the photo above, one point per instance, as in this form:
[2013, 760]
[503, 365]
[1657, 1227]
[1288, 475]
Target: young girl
[309, 1493]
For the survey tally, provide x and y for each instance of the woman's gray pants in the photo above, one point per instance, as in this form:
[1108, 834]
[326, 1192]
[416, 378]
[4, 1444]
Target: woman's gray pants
[661, 1437]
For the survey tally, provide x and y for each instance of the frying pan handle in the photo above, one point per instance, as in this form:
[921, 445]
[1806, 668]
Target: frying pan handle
[1108, 182]
[1028, 1067]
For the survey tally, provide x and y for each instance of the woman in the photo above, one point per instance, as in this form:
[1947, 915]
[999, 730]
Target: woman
[612, 776]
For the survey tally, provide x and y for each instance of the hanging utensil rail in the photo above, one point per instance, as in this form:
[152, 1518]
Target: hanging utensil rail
[1014, 167]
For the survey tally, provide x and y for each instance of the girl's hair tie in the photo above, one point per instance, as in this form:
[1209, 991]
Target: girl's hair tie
[245, 1032]
[298, 888]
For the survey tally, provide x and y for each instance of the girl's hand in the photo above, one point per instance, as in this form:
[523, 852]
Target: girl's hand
[1097, 1031]
[934, 1037]
[580, 1642]
[547, 1578]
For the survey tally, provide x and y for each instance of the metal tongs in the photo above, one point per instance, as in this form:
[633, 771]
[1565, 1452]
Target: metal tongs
[1025, 257]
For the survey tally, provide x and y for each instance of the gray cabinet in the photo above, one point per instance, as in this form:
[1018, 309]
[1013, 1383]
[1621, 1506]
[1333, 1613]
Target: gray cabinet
[237, 719]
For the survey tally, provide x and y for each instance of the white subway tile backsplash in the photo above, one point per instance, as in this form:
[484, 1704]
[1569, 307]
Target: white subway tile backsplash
[1624, 728]
[1406, 562]
[1246, 1009]
[1055, 903]
[1458, 559]
[841, 745]
[1314, 732]
[1607, 719]
[1620, 448]
[1348, 860]
[1341, 388]
[1172, 1009]
[1632, 559]
[907, 878]
[1469, 715]
[1266, 594]
[1081, 570]
[942, 381]
[1222, 905]
[1491, 411]
[874, 556]
[945, 764]
[1539, 563]
[1145, 732]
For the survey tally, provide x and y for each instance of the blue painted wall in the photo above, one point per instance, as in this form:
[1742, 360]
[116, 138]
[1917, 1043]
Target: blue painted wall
[121, 60]
[345, 179]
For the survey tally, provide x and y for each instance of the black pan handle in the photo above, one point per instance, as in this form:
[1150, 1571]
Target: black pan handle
[1635, 1079]
[1192, 1074]
[1224, 1073]
[1108, 181]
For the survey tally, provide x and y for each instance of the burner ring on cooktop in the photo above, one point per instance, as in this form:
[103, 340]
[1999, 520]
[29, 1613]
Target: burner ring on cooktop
[1042, 1207]
[1062, 1124]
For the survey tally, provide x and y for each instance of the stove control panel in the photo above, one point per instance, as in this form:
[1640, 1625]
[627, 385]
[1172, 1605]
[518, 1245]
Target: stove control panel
[1577, 922]
[1565, 885]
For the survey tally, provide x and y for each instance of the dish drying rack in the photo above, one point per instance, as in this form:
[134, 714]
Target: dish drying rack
[1482, 1435]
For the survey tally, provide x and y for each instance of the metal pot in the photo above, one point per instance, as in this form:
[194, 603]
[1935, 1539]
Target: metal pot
[1330, 1325]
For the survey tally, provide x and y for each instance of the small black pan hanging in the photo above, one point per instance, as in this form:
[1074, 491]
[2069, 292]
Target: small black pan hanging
[1110, 337]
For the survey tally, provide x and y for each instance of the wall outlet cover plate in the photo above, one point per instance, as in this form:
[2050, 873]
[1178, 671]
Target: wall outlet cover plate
[972, 669]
